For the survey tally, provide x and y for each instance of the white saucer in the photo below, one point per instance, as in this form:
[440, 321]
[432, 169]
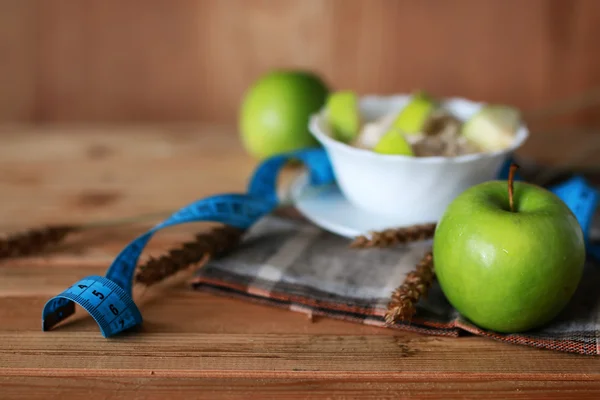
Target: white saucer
[327, 208]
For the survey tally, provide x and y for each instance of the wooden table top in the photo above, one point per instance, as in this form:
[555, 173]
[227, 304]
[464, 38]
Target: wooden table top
[195, 345]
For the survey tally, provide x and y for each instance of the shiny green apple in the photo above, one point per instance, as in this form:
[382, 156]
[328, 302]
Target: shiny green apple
[508, 270]
[275, 112]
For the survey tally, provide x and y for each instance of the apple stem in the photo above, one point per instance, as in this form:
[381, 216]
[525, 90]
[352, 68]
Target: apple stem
[511, 179]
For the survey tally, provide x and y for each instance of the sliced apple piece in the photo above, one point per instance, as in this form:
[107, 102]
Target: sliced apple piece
[414, 115]
[492, 128]
[343, 115]
[393, 142]
[371, 132]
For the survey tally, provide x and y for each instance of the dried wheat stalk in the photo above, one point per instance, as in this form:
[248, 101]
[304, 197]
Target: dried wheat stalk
[34, 240]
[406, 296]
[205, 246]
[391, 237]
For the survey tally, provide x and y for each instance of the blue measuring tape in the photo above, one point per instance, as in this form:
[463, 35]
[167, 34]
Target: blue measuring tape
[109, 300]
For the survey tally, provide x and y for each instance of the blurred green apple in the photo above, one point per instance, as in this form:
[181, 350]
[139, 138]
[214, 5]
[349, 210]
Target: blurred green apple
[508, 270]
[275, 111]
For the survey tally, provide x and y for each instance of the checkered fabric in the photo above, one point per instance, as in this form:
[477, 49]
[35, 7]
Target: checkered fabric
[292, 264]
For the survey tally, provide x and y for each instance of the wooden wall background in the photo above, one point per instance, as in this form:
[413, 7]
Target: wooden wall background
[172, 60]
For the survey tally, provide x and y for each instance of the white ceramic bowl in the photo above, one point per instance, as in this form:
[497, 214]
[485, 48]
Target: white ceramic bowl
[413, 189]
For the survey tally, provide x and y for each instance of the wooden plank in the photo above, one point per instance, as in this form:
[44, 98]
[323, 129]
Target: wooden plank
[273, 355]
[192, 60]
[383, 388]
[147, 66]
[129, 172]
[18, 52]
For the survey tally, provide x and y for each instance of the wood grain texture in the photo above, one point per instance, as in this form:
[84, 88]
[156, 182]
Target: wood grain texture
[162, 60]
[272, 355]
[194, 344]
[18, 60]
[156, 387]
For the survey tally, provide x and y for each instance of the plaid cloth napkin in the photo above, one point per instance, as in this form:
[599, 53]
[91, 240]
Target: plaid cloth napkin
[290, 263]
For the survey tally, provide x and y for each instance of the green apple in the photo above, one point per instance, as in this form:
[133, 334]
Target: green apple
[492, 128]
[393, 142]
[414, 115]
[275, 111]
[343, 115]
[508, 270]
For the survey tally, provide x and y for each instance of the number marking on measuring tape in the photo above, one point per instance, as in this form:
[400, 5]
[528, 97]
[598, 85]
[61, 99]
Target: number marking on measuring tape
[109, 299]
[110, 306]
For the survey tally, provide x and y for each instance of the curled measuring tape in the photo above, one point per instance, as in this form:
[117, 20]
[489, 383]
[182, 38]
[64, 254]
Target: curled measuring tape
[583, 200]
[109, 299]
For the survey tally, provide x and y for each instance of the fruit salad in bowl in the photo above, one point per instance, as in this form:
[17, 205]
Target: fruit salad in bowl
[409, 156]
